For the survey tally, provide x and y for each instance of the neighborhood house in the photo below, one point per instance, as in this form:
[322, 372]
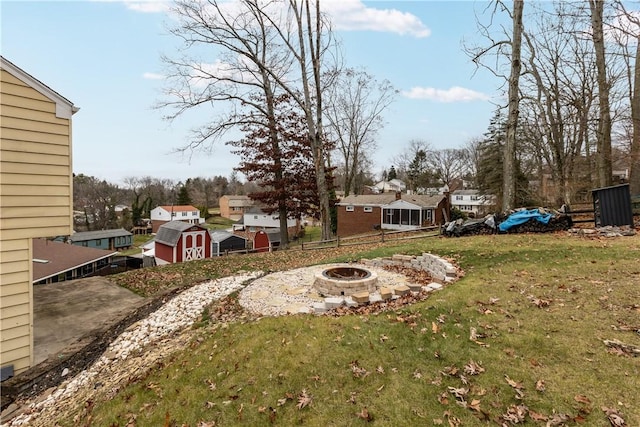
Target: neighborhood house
[56, 262]
[119, 239]
[164, 214]
[234, 207]
[391, 211]
[472, 202]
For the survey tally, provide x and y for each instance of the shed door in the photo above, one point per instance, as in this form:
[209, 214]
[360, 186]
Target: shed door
[193, 245]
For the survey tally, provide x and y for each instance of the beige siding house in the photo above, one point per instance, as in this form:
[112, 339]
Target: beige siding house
[35, 198]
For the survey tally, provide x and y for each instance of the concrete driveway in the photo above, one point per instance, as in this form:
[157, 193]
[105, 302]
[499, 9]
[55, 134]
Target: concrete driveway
[65, 312]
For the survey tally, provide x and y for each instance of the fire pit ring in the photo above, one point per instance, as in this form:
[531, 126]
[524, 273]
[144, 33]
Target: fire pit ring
[345, 280]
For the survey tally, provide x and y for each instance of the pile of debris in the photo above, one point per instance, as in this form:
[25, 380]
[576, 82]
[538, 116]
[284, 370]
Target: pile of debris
[471, 227]
[539, 220]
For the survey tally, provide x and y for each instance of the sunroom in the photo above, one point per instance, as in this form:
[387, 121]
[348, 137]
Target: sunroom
[401, 214]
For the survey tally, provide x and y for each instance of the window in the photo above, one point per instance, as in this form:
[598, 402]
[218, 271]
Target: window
[98, 242]
[184, 213]
[195, 213]
[474, 198]
[173, 214]
[368, 209]
[459, 198]
[349, 208]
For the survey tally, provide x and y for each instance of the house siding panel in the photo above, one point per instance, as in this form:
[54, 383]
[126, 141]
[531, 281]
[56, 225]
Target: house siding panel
[20, 356]
[35, 174]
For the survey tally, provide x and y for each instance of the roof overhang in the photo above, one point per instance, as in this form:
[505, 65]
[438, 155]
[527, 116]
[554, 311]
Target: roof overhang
[64, 108]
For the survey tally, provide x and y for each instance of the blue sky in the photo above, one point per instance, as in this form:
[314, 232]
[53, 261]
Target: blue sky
[105, 57]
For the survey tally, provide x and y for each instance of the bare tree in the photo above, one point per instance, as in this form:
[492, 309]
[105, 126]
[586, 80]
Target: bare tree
[447, 164]
[354, 107]
[403, 160]
[509, 176]
[263, 53]
[510, 48]
[604, 124]
[472, 160]
[629, 27]
[308, 42]
[558, 97]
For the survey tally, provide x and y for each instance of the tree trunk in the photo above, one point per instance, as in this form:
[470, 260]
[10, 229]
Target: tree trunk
[603, 141]
[314, 123]
[509, 174]
[634, 168]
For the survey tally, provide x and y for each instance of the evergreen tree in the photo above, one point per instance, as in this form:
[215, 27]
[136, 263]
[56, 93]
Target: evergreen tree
[490, 165]
[183, 196]
[392, 173]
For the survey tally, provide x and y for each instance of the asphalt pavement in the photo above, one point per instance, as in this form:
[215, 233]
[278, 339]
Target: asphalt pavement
[65, 312]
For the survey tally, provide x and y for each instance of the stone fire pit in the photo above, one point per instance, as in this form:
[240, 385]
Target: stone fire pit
[345, 280]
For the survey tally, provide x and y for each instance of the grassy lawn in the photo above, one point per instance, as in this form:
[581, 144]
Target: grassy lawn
[518, 340]
[138, 241]
[217, 222]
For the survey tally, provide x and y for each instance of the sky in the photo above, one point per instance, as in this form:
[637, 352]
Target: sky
[105, 56]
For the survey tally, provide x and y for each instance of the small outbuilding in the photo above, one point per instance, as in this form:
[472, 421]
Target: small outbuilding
[116, 239]
[223, 242]
[266, 240]
[178, 241]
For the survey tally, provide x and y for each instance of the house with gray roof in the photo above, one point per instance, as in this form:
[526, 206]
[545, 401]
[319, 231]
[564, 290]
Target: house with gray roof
[116, 239]
[358, 214]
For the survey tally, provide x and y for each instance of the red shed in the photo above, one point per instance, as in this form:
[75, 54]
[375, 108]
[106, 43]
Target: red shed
[179, 241]
[266, 240]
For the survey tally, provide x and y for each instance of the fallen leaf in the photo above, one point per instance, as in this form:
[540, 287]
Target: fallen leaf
[515, 414]
[434, 328]
[459, 393]
[614, 417]
[540, 385]
[582, 399]
[443, 398]
[472, 368]
[365, 415]
[304, 399]
[535, 416]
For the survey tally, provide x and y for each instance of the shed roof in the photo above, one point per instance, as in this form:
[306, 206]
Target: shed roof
[83, 236]
[272, 233]
[169, 233]
[52, 258]
[219, 236]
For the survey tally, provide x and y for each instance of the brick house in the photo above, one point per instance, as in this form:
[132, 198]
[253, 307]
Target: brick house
[390, 211]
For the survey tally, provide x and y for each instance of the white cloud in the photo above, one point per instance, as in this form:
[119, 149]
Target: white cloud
[453, 94]
[151, 6]
[145, 6]
[152, 76]
[353, 15]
